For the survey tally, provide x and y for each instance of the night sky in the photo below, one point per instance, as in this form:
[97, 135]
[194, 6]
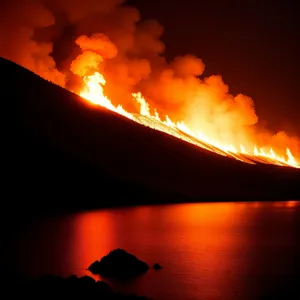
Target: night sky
[254, 45]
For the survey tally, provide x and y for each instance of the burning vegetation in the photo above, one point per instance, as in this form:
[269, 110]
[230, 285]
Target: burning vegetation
[102, 51]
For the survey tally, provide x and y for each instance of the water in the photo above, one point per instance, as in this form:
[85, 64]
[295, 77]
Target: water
[208, 251]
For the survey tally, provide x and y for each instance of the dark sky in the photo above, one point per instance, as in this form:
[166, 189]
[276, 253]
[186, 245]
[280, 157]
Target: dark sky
[254, 45]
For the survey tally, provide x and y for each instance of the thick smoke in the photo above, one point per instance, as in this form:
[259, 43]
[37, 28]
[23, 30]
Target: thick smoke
[112, 38]
[19, 21]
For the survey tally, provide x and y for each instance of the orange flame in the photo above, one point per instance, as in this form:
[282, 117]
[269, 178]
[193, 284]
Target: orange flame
[93, 91]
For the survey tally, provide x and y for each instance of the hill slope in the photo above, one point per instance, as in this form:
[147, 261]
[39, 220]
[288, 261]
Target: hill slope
[66, 153]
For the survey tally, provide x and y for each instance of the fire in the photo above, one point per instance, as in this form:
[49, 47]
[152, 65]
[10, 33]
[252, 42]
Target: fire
[93, 91]
[174, 96]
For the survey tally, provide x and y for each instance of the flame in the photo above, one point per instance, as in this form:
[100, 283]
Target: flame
[93, 91]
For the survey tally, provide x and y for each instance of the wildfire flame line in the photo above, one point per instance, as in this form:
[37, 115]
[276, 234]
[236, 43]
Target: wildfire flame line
[93, 91]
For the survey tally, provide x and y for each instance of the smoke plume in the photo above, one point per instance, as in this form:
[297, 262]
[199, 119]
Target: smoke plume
[108, 36]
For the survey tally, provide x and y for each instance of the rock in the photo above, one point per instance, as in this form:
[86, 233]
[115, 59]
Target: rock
[119, 264]
[157, 266]
[94, 267]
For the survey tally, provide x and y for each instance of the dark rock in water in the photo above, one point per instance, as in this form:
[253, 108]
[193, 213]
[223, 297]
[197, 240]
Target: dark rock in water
[94, 267]
[119, 264]
[157, 266]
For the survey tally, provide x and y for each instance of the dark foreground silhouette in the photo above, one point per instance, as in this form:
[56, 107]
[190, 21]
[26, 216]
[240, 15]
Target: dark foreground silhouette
[63, 154]
[55, 287]
[119, 264]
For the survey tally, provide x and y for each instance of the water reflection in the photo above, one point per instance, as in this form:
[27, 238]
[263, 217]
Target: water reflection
[93, 237]
[291, 204]
[210, 244]
[209, 251]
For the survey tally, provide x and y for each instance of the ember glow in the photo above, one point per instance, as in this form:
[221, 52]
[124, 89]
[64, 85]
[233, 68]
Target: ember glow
[93, 91]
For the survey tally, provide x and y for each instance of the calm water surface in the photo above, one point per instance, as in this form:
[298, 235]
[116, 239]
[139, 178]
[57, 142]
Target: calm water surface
[209, 251]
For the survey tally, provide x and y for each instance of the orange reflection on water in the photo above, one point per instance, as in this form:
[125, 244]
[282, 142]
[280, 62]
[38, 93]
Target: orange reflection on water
[94, 237]
[142, 214]
[206, 212]
[287, 204]
[211, 243]
[292, 203]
